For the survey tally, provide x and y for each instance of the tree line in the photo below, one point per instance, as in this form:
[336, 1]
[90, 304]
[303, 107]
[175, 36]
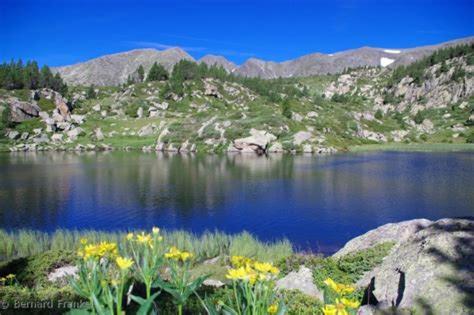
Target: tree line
[417, 69]
[16, 75]
[186, 70]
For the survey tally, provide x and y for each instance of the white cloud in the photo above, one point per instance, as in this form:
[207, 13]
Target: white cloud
[143, 44]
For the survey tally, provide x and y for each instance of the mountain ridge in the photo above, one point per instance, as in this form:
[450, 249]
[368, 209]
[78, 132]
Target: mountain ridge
[113, 69]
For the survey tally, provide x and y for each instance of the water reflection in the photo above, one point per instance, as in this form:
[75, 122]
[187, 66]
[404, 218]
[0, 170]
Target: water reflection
[317, 202]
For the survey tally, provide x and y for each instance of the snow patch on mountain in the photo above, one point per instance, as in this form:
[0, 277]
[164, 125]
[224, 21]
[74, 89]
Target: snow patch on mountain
[386, 61]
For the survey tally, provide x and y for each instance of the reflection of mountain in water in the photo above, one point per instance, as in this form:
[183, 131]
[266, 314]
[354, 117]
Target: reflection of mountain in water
[306, 198]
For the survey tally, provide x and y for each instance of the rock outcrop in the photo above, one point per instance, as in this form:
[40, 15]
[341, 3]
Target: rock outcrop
[431, 267]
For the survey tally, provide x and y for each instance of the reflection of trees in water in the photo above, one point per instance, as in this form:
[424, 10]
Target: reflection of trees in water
[36, 189]
[40, 185]
[185, 183]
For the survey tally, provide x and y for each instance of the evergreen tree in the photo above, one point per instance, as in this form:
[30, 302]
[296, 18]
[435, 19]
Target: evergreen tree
[140, 73]
[47, 78]
[31, 75]
[157, 73]
[185, 70]
[91, 94]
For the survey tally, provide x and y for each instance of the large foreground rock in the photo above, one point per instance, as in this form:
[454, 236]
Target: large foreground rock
[432, 269]
[391, 232]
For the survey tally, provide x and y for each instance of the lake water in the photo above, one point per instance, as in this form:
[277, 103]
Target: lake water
[318, 203]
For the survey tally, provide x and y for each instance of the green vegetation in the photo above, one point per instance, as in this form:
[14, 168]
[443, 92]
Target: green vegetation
[416, 69]
[31, 256]
[24, 243]
[157, 73]
[16, 76]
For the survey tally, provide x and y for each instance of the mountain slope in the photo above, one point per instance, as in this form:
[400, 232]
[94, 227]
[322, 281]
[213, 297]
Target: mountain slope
[114, 69]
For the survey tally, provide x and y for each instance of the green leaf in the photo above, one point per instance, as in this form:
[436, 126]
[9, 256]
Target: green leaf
[145, 304]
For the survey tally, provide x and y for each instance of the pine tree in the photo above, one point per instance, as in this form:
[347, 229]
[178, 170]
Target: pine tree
[141, 73]
[91, 94]
[157, 73]
[46, 77]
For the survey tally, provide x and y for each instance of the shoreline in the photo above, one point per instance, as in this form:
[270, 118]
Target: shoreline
[398, 147]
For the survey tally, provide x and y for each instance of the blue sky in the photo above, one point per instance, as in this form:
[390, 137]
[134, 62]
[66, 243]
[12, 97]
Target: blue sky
[68, 31]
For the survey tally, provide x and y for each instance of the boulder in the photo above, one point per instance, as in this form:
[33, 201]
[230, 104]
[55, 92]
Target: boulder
[74, 133]
[140, 112]
[296, 117]
[276, 147]
[211, 90]
[57, 137]
[391, 232]
[256, 142]
[78, 119]
[147, 130]
[12, 135]
[99, 136]
[21, 111]
[301, 280]
[301, 136]
[430, 267]
[307, 148]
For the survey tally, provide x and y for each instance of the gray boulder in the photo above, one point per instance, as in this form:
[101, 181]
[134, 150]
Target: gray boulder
[12, 135]
[21, 111]
[256, 142]
[302, 281]
[434, 268]
[301, 136]
[391, 232]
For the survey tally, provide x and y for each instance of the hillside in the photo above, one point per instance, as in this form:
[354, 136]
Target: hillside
[430, 101]
[114, 69]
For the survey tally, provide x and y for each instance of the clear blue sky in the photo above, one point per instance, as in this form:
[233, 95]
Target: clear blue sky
[68, 31]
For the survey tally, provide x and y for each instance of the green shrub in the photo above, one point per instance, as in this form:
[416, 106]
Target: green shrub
[33, 270]
[379, 114]
[470, 137]
[419, 117]
[301, 304]
[29, 125]
[46, 105]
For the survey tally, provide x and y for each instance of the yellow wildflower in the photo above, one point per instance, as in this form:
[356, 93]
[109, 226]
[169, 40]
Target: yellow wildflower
[129, 236]
[334, 309]
[350, 303]
[242, 273]
[114, 282]
[155, 230]
[2, 280]
[124, 263]
[236, 273]
[239, 261]
[265, 268]
[339, 287]
[185, 256]
[10, 276]
[144, 238]
[176, 254]
[272, 309]
[83, 241]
